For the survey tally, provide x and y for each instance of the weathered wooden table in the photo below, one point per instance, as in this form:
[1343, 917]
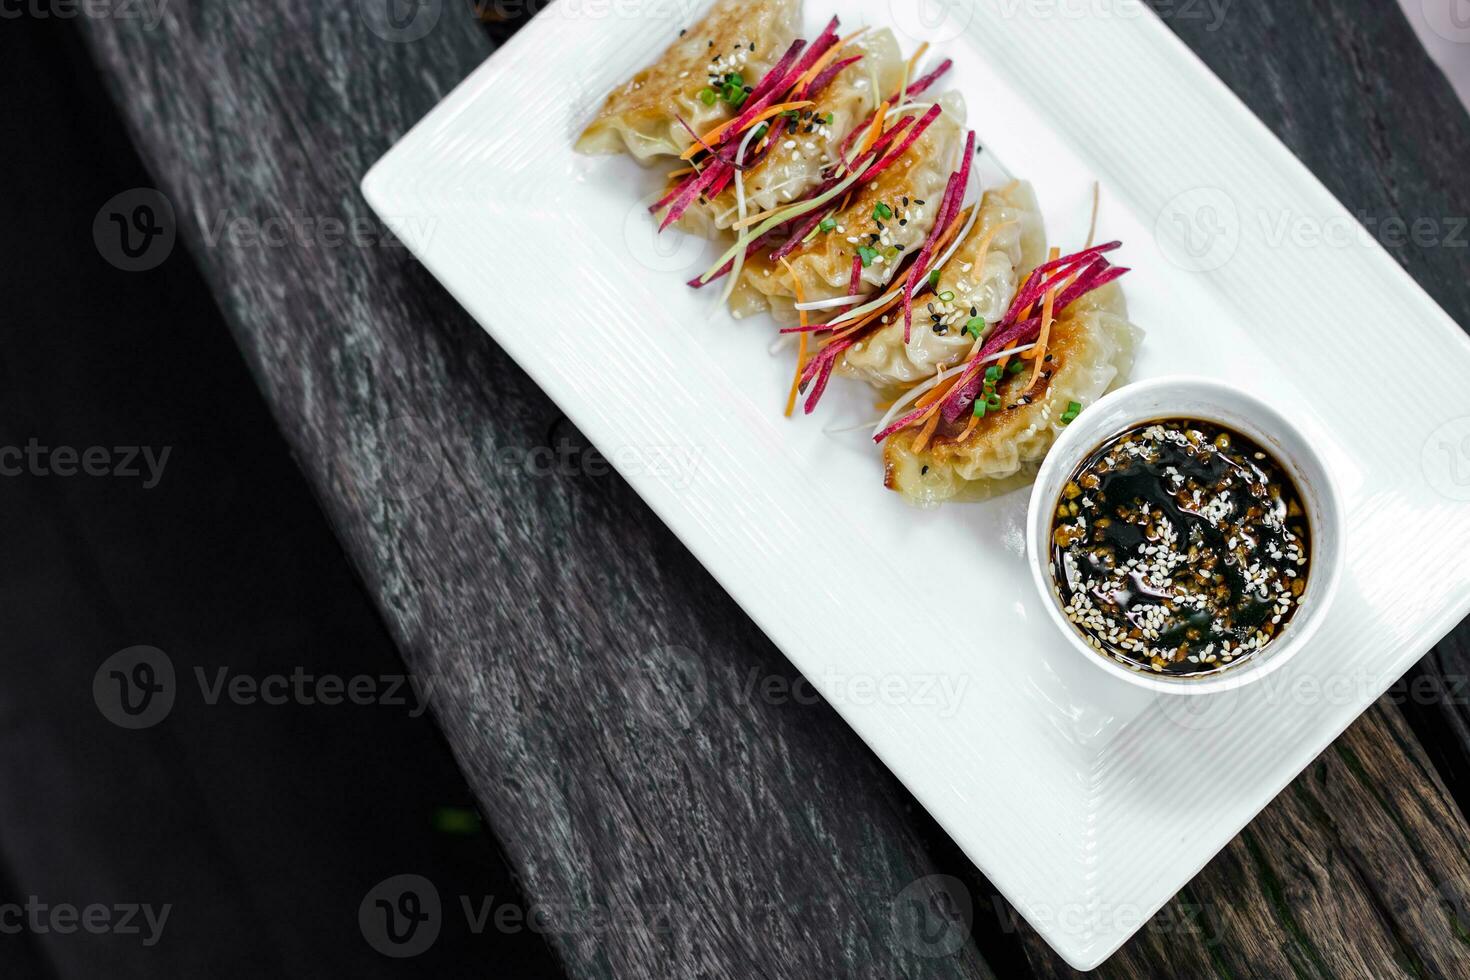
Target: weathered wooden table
[597, 685]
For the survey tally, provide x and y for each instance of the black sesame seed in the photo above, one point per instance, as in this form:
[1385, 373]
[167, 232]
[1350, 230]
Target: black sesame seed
[924, 471]
[903, 221]
[683, 32]
[905, 202]
[920, 203]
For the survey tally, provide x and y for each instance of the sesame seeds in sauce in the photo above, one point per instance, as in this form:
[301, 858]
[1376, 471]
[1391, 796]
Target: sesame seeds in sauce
[1180, 548]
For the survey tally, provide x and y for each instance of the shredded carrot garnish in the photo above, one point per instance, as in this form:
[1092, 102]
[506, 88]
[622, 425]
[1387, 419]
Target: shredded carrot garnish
[969, 429]
[825, 60]
[801, 349]
[874, 131]
[1038, 353]
[848, 329]
[760, 117]
[683, 171]
[926, 433]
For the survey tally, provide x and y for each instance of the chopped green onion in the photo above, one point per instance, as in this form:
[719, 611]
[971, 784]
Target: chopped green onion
[827, 224]
[976, 326]
[992, 374]
[947, 296]
[891, 252]
[1016, 367]
[708, 96]
[882, 212]
[992, 401]
[760, 132]
[934, 279]
[791, 114]
[979, 408]
[829, 119]
[1074, 409]
[735, 78]
[867, 255]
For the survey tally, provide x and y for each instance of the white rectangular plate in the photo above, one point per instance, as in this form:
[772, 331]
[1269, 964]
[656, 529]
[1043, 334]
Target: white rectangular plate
[922, 628]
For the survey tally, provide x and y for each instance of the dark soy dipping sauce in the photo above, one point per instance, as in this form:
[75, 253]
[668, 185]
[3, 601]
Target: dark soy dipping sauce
[1180, 547]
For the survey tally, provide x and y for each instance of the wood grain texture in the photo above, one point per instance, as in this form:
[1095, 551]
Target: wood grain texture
[650, 762]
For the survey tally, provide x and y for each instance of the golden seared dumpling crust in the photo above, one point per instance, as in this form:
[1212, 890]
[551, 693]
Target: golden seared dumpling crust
[642, 117]
[1010, 233]
[794, 166]
[1091, 347]
[824, 265]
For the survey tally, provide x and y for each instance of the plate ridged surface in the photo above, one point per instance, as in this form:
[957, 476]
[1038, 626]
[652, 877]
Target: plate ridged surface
[1065, 790]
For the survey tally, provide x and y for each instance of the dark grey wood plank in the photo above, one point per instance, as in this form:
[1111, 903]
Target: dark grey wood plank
[1357, 870]
[593, 679]
[595, 682]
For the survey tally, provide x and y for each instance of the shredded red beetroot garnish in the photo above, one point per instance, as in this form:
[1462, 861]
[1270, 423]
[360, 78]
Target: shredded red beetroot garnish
[949, 212]
[819, 47]
[917, 88]
[912, 136]
[727, 161]
[923, 84]
[856, 281]
[810, 221]
[825, 77]
[808, 224]
[760, 96]
[779, 79]
[902, 423]
[819, 387]
[689, 193]
[1010, 332]
[1035, 283]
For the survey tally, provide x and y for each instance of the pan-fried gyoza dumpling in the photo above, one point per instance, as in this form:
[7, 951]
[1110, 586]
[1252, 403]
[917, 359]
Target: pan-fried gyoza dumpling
[1091, 347]
[911, 188]
[744, 37]
[1010, 234]
[809, 144]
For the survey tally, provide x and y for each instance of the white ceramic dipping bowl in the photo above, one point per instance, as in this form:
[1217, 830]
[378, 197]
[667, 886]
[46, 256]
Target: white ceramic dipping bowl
[1212, 401]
